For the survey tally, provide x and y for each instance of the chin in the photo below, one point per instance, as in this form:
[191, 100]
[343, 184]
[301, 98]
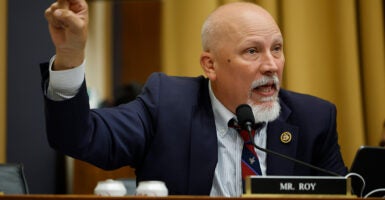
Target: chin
[266, 111]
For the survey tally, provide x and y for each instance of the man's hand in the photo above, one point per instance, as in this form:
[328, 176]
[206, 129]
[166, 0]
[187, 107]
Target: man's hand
[68, 24]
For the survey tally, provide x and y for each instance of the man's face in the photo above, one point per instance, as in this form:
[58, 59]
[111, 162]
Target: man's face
[248, 65]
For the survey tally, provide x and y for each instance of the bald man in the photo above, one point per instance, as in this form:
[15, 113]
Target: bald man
[177, 130]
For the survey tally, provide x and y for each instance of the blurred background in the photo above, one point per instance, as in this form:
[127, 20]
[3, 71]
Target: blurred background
[334, 50]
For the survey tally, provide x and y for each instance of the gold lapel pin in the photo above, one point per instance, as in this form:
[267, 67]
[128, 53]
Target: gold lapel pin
[286, 137]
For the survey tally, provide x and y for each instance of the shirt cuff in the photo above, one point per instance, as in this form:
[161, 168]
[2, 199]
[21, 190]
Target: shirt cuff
[64, 84]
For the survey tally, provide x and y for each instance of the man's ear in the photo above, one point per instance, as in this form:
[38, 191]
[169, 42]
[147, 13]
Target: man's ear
[208, 65]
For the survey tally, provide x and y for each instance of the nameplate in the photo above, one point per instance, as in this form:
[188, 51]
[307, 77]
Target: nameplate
[317, 185]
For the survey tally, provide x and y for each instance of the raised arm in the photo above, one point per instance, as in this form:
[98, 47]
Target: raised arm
[68, 24]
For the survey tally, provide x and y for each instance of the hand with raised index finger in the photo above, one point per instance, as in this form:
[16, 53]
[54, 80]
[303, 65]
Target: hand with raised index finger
[68, 24]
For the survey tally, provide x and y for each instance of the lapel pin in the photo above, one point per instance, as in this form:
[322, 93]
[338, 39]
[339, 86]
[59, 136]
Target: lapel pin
[286, 137]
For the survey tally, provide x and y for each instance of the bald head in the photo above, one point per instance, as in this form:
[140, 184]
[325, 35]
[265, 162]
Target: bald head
[233, 18]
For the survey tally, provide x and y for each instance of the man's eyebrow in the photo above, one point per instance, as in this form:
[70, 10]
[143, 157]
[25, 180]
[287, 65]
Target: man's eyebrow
[278, 39]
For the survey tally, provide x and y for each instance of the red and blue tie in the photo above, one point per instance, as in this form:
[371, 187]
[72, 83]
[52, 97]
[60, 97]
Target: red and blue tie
[250, 163]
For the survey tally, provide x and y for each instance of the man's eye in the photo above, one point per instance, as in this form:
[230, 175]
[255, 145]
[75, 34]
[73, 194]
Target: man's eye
[277, 48]
[252, 51]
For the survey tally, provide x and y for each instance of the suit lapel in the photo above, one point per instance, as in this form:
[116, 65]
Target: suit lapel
[278, 133]
[203, 145]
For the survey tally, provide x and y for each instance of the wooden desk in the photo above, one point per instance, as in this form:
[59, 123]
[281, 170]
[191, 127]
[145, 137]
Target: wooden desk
[94, 197]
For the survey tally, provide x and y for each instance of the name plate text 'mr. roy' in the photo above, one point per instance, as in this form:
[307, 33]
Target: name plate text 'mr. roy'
[326, 185]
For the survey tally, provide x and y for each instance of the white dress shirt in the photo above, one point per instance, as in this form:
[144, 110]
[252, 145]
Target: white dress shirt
[228, 175]
[228, 172]
[64, 84]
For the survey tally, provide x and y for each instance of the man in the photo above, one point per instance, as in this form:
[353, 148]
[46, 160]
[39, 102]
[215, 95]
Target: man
[176, 130]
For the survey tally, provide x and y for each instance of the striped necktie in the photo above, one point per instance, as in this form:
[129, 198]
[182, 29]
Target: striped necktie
[250, 163]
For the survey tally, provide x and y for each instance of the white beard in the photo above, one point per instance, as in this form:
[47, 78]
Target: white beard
[266, 113]
[269, 108]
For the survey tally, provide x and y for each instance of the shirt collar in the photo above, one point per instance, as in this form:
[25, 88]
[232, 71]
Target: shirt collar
[221, 114]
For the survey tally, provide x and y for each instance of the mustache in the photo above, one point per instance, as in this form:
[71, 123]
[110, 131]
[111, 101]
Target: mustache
[264, 80]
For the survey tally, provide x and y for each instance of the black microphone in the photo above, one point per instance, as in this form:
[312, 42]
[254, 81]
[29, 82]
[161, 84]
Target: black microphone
[245, 117]
[246, 121]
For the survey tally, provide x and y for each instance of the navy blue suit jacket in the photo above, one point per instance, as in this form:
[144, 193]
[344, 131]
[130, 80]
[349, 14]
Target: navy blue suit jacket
[168, 133]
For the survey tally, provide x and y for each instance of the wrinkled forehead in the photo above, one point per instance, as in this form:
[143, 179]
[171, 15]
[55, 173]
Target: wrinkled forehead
[247, 24]
[235, 20]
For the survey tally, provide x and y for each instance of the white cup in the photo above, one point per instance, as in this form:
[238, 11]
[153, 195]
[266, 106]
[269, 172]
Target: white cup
[152, 188]
[110, 187]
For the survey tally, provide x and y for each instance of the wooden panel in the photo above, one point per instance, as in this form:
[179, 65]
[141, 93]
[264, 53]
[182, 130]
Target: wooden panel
[140, 35]
[86, 176]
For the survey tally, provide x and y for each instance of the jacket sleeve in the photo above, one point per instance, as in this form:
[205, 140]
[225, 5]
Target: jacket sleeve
[108, 138]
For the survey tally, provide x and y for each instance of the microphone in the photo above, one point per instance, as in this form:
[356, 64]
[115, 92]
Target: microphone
[245, 117]
[246, 120]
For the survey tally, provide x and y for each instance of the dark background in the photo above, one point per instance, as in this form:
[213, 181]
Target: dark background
[29, 44]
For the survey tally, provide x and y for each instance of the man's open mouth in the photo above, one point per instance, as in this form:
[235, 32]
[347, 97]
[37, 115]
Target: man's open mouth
[266, 89]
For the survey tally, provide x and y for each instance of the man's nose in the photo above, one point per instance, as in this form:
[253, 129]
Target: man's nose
[268, 65]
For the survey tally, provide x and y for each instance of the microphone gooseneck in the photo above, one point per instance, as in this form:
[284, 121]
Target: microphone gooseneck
[246, 120]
